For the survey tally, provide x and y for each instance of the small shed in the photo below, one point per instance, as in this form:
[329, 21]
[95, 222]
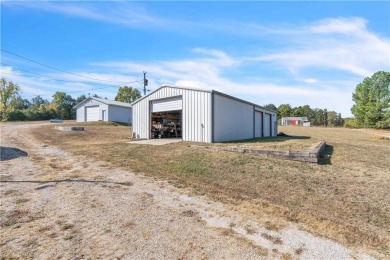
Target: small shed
[200, 115]
[295, 121]
[99, 109]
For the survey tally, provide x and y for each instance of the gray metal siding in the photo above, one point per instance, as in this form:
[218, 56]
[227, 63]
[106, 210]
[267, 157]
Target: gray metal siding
[119, 114]
[81, 111]
[258, 124]
[233, 119]
[275, 125]
[267, 124]
[196, 111]
[80, 114]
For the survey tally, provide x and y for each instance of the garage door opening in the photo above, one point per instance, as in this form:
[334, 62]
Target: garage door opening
[166, 124]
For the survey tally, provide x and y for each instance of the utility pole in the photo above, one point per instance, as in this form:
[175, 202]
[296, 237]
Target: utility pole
[145, 83]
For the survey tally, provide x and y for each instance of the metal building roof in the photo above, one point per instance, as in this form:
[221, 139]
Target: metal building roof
[203, 90]
[301, 118]
[104, 101]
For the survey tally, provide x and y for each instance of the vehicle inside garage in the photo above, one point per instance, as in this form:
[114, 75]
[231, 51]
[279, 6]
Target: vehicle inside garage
[166, 124]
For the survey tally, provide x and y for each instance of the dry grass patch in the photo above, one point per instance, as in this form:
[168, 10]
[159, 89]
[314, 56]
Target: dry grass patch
[129, 224]
[188, 213]
[274, 239]
[22, 201]
[10, 192]
[275, 225]
[229, 232]
[250, 230]
[345, 197]
[286, 256]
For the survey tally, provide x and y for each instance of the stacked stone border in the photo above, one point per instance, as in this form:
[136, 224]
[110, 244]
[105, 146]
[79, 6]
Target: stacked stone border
[312, 155]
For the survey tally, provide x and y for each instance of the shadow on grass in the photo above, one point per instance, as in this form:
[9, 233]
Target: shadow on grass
[9, 153]
[273, 139]
[49, 183]
[325, 158]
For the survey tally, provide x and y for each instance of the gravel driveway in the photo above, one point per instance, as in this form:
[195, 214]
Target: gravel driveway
[58, 205]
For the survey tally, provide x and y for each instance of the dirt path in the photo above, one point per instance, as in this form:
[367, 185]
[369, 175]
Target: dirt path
[57, 205]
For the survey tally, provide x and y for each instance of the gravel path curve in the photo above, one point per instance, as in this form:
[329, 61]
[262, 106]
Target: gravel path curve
[58, 205]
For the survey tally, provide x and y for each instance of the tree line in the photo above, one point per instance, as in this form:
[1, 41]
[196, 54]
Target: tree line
[316, 116]
[14, 108]
[371, 107]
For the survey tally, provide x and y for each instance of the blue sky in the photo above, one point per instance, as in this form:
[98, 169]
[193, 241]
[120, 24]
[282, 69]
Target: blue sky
[265, 52]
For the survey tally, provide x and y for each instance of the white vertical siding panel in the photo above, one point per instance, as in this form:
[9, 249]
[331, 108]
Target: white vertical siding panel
[118, 114]
[196, 110]
[80, 114]
[233, 119]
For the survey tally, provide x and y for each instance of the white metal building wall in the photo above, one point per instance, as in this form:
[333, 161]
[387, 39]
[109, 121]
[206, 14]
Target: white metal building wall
[196, 113]
[80, 114]
[233, 119]
[81, 111]
[119, 114]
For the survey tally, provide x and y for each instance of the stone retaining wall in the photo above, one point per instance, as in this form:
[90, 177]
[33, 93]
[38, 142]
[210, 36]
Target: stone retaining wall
[305, 156]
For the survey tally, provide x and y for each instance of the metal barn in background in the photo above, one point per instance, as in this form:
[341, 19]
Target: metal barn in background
[200, 116]
[99, 109]
[295, 121]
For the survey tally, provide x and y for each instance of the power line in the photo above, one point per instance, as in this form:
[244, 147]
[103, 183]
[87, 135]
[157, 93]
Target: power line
[105, 86]
[70, 92]
[47, 66]
[50, 78]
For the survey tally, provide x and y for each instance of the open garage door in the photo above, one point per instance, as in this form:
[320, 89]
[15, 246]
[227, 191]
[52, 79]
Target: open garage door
[166, 118]
[92, 113]
[167, 104]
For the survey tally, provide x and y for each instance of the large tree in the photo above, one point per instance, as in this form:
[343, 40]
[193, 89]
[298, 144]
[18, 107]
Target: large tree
[372, 101]
[80, 98]
[37, 101]
[64, 105]
[272, 107]
[127, 94]
[9, 92]
[284, 110]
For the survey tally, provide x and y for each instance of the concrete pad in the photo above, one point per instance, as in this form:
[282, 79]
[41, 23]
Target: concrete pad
[161, 141]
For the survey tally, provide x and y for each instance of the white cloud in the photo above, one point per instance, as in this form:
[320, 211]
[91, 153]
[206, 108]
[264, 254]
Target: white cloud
[356, 50]
[342, 45]
[33, 85]
[310, 80]
[352, 26]
[128, 14]
[207, 73]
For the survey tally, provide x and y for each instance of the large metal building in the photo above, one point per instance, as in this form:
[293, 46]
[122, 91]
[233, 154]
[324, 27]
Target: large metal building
[199, 115]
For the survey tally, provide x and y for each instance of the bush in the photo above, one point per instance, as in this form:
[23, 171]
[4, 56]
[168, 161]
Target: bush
[16, 115]
[351, 123]
[383, 124]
